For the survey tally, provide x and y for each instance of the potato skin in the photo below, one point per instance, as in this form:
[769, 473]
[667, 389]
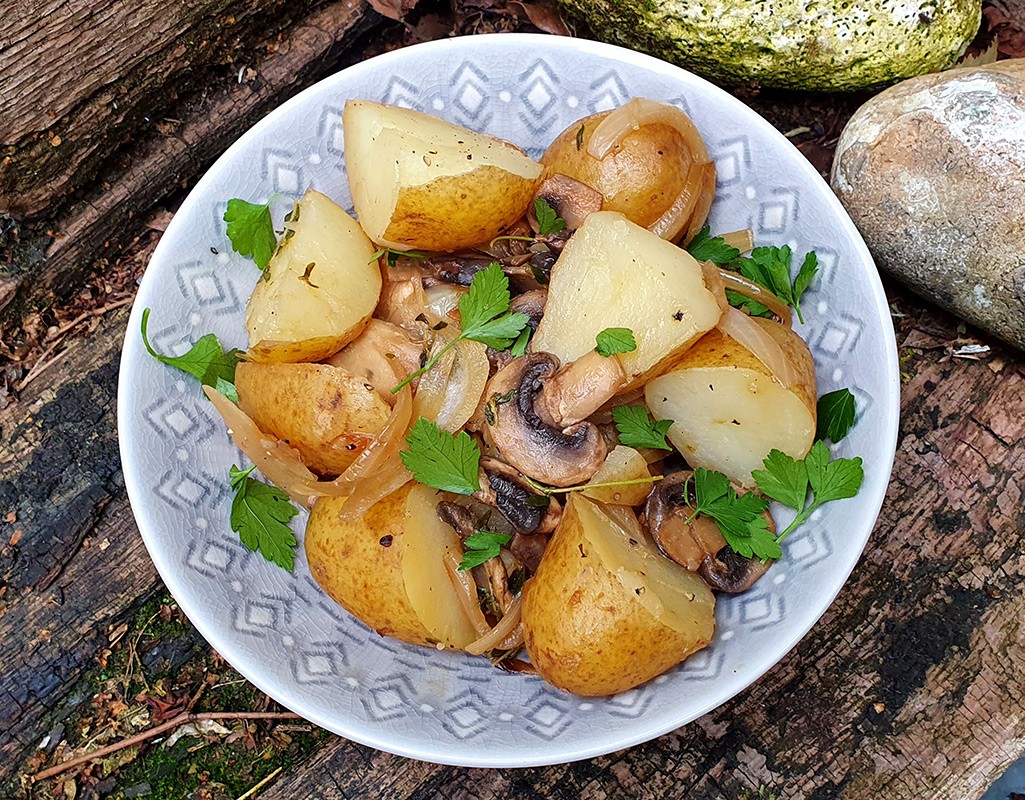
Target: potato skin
[584, 631]
[459, 211]
[715, 349]
[350, 561]
[320, 410]
[640, 179]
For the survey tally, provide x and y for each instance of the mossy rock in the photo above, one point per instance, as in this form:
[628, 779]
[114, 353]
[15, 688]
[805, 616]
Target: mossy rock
[824, 45]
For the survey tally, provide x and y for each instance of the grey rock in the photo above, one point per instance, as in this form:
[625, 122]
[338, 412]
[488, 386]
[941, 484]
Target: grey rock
[932, 171]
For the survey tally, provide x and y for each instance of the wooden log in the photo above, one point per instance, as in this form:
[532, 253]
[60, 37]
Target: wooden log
[65, 509]
[142, 151]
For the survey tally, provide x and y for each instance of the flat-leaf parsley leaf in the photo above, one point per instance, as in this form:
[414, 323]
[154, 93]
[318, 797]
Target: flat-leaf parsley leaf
[788, 480]
[444, 461]
[741, 518]
[836, 415]
[482, 546]
[206, 359]
[637, 429]
[613, 341]
[484, 315]
[251, 230]
[547, 220]
[259, 515]
[712, 248]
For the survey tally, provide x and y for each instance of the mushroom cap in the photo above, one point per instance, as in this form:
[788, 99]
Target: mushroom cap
[558, 457]
[728, 571]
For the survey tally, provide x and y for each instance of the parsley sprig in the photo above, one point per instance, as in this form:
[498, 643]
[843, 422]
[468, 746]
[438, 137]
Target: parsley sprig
[613, 341]
[484, 311]
[636, 428]
[259, 515]
[787, 481]
[769, 267]
[206, 360]
[482, 546]
[392, 256]
[547, 220]
[740, 517]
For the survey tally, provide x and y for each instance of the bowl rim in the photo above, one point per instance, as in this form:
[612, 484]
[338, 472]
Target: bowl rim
[872, 492]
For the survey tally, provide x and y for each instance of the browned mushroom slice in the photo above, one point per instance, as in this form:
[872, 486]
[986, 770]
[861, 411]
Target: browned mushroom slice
[457, 268]
[697, 543]
[532, 304]
[730, 572]
[528, 549]
[525, 509]
[535, 421]
[570, 199]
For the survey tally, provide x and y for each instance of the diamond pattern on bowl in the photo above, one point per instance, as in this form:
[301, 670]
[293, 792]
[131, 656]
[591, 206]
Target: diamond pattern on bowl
[281, 630]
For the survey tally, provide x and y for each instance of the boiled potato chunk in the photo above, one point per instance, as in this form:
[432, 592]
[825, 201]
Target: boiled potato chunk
[615, 274]
[621, 465]
[640, 179]
[319, 290]
[605, 611]
[421, 182]
[386, 569]
[728, 409]
[326, 413]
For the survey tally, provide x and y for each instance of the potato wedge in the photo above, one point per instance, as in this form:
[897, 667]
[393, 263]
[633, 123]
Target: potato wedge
[606, 612]
[386, 569]
[615, 274]
[324, 412]
[729, 411]
[418, 181]
[320, 288]
[640, 179]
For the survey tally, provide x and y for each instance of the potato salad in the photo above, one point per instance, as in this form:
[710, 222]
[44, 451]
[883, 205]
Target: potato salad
[537, 410]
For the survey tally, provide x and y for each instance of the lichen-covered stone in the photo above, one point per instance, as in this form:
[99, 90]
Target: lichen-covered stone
[932, 171]
[828, 45]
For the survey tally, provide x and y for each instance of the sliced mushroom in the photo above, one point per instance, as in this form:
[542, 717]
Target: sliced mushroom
[532, 304]
[728, 571]
[528, 511]
[697, 544]
[530, 434]
[570, 199]
[462, 520]
[457, 268]
[528, 550]
[581, 388]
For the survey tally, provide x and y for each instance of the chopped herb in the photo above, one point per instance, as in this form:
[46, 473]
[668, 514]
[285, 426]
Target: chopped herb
[305, 277]
[547, 220]
[836, 414]
[444, 461]
[482, 546]
[259, 515]
[227, 389]
[485, 316]
[613, 341]
[251, 230]
[519, 347]
[637, 429]
[206, 359]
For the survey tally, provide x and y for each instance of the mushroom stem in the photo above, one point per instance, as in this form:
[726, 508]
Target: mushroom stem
[581, 388]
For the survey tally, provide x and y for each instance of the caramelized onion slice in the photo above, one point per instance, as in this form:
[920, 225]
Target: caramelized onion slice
[677, 217]
[748, 288]
[706, 194]
[504, 635]
[636, 114]
[742, 329]
[466, 591]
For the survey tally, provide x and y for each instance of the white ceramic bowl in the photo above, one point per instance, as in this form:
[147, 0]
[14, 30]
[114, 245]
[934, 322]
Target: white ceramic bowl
[287, 636]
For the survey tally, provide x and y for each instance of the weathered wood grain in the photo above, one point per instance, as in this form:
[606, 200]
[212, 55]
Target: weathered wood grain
[79, 78]
[120, 172]
[912, 685]
[78, 563]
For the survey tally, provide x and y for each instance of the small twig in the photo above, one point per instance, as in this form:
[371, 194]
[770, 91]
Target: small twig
[151, 733]
[260, 785]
